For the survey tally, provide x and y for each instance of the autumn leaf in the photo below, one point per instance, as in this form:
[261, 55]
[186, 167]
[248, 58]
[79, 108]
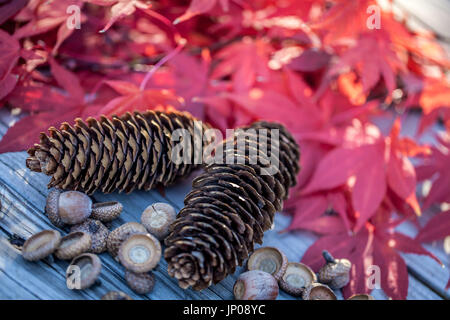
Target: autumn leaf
[310, 61]
[246, 62]
[436, 167]
[120, 9]
[201, 6]
[9, 55]
[373, 58]
[346, 18]
[10, 8]
[132, 98]
[25, 132]
[436, 229]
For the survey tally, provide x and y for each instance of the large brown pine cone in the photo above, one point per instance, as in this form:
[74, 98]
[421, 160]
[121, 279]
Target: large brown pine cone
[229, 208]
[122, 153]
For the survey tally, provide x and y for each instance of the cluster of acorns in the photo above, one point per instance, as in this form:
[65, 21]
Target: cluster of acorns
[269, 270]
[135, 245]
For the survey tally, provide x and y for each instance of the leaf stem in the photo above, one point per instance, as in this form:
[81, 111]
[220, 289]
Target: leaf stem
[151, 72]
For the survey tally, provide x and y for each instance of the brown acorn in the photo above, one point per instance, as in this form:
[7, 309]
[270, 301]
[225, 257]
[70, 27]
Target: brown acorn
[120, 234]
[296, 278]
[335, 273]
[51, 207]
[88, 265]
[73, 244]
[106, 211]
[318, 291]
[140, 252]
[270, 260]
[361, 297]
[74, 207]
[255, 285]
[157, 219]
[116, 295]
[141, 283]
[41, 245]
[98, 232]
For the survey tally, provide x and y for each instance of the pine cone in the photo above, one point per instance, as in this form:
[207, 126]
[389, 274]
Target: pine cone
[230, 207]
[122, 153]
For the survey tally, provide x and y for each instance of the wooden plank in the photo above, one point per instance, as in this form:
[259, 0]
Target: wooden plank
[433, 13]
[23, 197]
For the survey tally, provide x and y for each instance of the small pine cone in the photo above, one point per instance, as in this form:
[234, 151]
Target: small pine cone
[230, 207]
[336, 272]
[118, 154]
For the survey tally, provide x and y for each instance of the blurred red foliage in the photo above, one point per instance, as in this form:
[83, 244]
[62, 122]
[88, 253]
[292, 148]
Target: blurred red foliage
[314, 65]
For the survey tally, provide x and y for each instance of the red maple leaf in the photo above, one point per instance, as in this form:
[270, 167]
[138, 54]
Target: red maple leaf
[368, 165]
[132, 98]
[10, 8]
[197, 7]
[43, 17]
[437, 168]
[437, 228]
[346, 18]
[119, 9]
[9, 55]
[246, 62]
[373, 58]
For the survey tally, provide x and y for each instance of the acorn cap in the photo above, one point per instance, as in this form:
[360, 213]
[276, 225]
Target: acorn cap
[270, 260]
[141, 283]
[140, 253]
[363, 296]
[73, 244]
[106, 211]
[255, 285]
[318, 291]
[336, 272]
[120, 234]
[296, 278]
[116, 295]
[98, 232]
[74, 207]
[40, 245]
[157, 219]
[51, 207]
[89, 266]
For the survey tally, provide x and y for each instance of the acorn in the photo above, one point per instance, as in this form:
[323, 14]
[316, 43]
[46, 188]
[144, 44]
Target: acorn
[106, 211]
[89, 266]
[73, 244]
[296, 278]
[318, 291]
[51, 208]
[141, 283]
[140, 252]
[116, 295]
[336, 272]
[74, 207]
[41, 245]
[157, 219]
[270, 260]
[255, 285]
[120, 234]
[98, 232]
[362, 296]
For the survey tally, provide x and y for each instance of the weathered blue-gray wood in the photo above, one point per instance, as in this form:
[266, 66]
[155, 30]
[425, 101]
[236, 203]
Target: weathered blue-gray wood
[22, 194]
